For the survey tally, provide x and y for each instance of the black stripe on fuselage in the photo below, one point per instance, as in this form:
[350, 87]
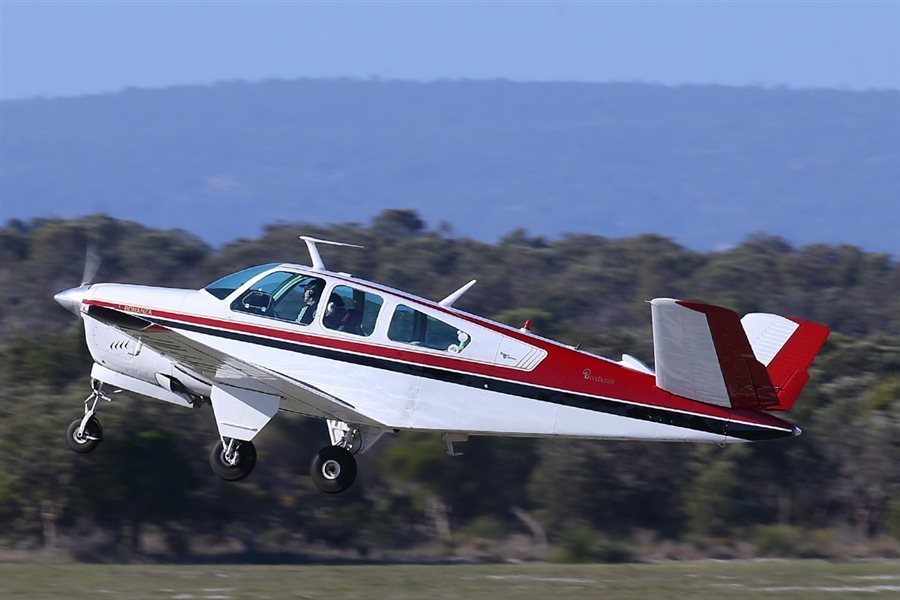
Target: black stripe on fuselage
[744, 431]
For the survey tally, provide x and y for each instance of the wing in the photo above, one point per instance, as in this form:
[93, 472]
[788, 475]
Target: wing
[228, 372]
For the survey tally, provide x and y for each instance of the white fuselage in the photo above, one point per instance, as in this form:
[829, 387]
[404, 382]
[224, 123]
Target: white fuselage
[399, 387]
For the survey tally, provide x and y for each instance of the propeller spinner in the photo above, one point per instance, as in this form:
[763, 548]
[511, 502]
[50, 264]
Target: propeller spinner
[71, 298]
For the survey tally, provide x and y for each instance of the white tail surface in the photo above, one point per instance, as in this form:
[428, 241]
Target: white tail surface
[686, 361]
[767, 334]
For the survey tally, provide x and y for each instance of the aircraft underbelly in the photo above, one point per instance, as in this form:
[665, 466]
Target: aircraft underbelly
[448, 407]
[388, 398]
[579, 422]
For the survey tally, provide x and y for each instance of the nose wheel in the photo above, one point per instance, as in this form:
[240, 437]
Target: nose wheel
[234, 461]
[333, 469]
[85, 434]
[84, 439]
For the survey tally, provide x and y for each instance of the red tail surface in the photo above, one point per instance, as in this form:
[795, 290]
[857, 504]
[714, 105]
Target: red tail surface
[788, 368]
[707, 353]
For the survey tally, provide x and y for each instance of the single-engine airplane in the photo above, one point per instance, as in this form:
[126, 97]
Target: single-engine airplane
[370, 359]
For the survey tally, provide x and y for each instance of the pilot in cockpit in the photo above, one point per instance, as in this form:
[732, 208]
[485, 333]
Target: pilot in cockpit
[310, 301]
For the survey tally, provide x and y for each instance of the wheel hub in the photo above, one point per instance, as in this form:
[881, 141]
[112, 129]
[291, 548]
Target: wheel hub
[331, 469]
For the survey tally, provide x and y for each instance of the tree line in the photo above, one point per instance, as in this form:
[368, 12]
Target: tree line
[147, 490]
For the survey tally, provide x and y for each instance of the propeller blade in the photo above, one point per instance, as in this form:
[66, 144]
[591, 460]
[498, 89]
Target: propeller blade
[92, 261]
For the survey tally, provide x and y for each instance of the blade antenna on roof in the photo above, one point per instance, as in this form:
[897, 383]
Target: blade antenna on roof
[317, 263]
[449, 300]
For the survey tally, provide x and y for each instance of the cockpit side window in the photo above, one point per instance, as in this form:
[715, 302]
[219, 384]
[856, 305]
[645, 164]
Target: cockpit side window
[284, 296]
[222, 288]
[351, 310]
[409, 326]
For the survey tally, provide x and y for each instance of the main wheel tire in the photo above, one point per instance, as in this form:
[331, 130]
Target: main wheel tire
[88, 440]
[243, 466]
[333, 469]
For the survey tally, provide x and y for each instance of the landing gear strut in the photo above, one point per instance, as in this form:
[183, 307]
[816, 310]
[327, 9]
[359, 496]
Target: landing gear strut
[234, 460]
[85, 434]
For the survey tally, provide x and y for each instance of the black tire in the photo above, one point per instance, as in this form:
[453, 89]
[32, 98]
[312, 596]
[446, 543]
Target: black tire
[333, 469]
[246, 460]
[90, 438]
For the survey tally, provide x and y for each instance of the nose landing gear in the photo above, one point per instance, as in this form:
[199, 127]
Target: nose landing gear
[85, 434]
[84, 438]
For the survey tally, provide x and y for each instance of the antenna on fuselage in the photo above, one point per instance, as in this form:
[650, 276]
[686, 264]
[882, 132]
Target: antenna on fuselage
[317, 263]
[449, 300]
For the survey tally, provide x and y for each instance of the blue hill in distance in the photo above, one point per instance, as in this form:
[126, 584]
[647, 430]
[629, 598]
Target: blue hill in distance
[705, 165]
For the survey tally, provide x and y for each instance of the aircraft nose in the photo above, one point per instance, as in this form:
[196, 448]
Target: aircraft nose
[797, 431]
[71, 299]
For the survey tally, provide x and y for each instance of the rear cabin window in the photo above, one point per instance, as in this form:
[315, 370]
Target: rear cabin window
[222, 288]
[284, 296]
[409, 326]
[351, 310]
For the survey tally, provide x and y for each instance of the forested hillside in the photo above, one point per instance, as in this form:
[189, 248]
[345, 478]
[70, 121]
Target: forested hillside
[834, 491]
[706, 165]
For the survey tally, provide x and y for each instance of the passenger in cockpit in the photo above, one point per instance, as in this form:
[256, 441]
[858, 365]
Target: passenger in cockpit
[334, 312]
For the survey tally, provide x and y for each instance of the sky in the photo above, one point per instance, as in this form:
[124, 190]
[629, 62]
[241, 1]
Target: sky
[74, 48]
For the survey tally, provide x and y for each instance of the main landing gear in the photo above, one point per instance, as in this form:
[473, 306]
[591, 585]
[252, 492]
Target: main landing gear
[232, 459]
[85, 434]
[333, 468]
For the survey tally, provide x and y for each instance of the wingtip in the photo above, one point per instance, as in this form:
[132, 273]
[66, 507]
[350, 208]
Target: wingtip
[662, 301]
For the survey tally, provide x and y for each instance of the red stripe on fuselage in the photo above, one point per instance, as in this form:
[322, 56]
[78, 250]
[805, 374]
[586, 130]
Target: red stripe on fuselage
[563, 369]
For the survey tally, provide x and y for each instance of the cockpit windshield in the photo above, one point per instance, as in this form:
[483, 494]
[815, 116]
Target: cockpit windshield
[222, 288]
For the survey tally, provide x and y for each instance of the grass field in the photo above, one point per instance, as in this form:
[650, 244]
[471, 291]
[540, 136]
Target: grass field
[800, 579]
